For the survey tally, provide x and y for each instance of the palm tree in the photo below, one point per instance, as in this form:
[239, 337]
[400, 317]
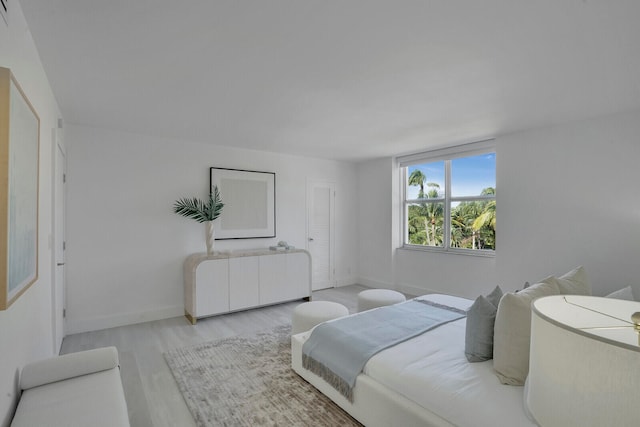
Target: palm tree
[458, 227]
[488, 216]
[485, 224]
[471, 210]
[431, 213]
[433, 190]
[417, 178]
[416, 223]
[434, 218]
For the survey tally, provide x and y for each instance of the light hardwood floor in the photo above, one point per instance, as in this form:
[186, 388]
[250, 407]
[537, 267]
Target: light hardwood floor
[152, 395]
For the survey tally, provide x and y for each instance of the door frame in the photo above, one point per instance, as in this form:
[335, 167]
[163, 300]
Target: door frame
[311, 184]
[57, 144]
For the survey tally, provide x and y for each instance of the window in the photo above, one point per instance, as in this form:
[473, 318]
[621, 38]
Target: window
[450, 199]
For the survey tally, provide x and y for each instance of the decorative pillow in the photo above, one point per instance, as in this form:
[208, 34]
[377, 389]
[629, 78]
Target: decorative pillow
[525, 286]
[512, 332]
[624, 293]
[479, 333]
[574, 282]
[494, 296]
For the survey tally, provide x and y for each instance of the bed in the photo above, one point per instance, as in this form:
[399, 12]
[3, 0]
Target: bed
[425, 381]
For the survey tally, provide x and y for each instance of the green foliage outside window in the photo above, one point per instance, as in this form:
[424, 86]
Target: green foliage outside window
[472, 224]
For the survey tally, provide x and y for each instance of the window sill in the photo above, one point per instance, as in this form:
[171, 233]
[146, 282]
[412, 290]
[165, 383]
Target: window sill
[482, 253]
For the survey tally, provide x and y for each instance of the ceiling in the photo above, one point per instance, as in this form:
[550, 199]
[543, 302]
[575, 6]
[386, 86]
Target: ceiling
[348, 80]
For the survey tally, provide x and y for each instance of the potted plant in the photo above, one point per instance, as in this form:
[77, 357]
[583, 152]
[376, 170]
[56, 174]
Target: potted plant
[202, 211]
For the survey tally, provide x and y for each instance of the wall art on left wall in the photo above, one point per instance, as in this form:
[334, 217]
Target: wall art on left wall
[19, 166]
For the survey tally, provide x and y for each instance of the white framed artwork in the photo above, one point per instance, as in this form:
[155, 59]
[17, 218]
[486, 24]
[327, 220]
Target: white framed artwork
[19, 166]
[249, 199]
[4, 11]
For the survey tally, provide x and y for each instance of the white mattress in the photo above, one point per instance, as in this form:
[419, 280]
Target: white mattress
[432, 371]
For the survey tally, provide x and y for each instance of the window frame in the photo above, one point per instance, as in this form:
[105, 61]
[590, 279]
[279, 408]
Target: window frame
[445, 155]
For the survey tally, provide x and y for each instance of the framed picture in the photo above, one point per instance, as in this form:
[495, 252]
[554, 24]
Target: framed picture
[249, 199]
[4, 11]
[19, 151]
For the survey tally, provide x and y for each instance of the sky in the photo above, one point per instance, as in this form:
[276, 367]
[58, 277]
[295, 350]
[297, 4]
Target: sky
[469, 175]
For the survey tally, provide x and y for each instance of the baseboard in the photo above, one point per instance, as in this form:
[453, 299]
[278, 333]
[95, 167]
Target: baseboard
[402, 287]
[414, 290]
[372, 283]
[346, 281]
[76, 326]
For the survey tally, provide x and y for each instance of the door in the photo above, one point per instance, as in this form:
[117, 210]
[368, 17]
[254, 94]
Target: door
[212, 287]
[58, 294]
[244, 282]
[320, 233]
[298, 274]
[273, 279]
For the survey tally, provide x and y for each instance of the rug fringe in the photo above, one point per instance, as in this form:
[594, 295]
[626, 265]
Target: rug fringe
[335, 381]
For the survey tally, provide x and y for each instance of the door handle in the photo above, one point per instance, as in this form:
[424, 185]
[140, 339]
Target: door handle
[311, 239]
[60, 264]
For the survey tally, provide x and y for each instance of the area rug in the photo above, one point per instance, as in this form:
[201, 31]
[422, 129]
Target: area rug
[248, 381]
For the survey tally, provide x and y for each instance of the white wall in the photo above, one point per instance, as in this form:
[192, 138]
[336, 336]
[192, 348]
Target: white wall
[125, 246]
[567, 196]
[375, 223]
[420, 272]
[25, 327]
[383, 265]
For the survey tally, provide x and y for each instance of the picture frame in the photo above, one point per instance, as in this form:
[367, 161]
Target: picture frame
[4, 11]
[249, 199]
[19, 177]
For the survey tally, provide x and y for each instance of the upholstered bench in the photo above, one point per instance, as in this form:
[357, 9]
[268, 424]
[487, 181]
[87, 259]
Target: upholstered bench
[74, 390]
[372, 298]
[309, 314]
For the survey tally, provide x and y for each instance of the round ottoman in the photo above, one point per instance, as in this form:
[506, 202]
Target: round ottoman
[372, 298]
[309, 314]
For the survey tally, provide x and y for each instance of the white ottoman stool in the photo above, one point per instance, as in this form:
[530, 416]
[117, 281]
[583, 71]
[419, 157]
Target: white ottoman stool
[309, 314]
[372, 298]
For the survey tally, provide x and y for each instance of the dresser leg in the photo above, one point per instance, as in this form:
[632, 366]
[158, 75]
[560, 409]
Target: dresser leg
[190, 318]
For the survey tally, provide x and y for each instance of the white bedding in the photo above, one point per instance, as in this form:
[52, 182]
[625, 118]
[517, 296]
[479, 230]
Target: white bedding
[431, 370]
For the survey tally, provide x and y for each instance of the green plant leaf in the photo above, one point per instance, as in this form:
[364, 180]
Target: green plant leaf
[200, 210]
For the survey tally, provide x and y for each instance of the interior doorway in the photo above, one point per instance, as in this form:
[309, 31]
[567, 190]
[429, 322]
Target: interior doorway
[320, 233]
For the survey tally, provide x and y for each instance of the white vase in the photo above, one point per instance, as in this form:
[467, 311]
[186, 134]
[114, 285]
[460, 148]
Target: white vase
[210, 239]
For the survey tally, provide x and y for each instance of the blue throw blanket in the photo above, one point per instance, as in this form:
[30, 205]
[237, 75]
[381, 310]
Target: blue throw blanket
[338, 350]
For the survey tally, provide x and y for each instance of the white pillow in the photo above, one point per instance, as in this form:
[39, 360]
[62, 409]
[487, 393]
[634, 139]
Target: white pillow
[574, 282]
[624, 293]
[67, 366]
[512, 332]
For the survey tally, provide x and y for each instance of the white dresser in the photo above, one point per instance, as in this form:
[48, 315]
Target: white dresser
[226, 282]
